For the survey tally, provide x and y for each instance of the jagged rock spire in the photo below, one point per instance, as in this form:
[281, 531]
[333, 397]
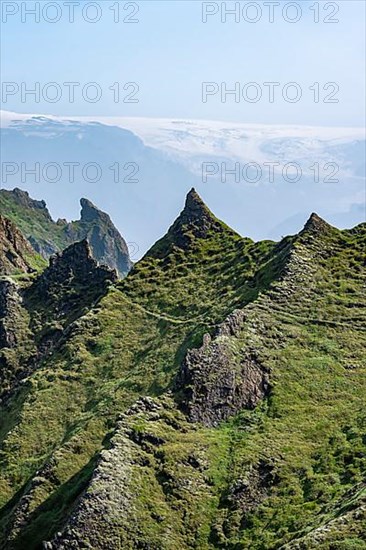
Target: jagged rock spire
[107, 244]
[195, 218]
[316, 224]
[70, 270]
[89, 212]
[194, 206]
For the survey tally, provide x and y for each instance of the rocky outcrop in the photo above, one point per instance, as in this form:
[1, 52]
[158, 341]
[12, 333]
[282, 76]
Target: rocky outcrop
[222, 377]
[194, 224]
[195, 221]
[9, 307]
[107, 245]
[35, 319]
[316, 224]
[73, 281]
[15, 251]
[16, 345]
[249, 491]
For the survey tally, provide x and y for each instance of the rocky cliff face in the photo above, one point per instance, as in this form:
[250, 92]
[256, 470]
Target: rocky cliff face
[107, 245]
[16, 345]
[15, 252]
[221, 378]
[9, 306]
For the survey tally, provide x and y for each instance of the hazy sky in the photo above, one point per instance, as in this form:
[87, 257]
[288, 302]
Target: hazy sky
[169, 53]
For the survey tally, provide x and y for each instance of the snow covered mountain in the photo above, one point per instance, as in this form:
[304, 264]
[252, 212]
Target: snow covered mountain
[264, 180]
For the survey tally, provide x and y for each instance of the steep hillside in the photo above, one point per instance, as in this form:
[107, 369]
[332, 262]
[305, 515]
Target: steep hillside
[225, 381]
[16, 254]
[36, 314]
[48, 237]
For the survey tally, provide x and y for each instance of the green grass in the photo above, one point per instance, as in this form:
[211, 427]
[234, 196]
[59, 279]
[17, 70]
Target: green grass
[305, 318]
[32, 222]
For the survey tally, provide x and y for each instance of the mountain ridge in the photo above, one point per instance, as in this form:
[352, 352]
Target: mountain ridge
[214, 398]
[48, 237]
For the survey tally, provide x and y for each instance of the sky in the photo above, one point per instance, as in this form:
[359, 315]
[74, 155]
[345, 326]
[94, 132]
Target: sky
[160, 65]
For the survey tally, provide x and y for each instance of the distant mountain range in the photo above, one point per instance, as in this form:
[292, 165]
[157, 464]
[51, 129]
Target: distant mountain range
[147, 164]
[214, 398]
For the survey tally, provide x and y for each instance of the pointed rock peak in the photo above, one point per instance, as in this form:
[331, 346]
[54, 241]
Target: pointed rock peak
[195, 211]
[193, 199]
[194, 204]
[89, 212]
[76, 253]
[196, 221]
[195, 217]
[107, 244]
[316, 224]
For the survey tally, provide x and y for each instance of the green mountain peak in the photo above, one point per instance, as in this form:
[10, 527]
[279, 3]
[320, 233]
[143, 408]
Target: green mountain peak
[316, 224]
[214, 398]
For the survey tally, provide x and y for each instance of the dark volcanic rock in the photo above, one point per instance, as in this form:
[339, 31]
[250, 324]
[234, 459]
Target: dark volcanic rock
[15, 251]
[219, 379]
[316, 224]
[73, 280]
[9, 306]
[248, 493]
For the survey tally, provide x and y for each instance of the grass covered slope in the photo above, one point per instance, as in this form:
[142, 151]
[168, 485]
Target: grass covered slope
[289, 474]
[200, 270]
[33, 220]
[113, 355]
[265, 477]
